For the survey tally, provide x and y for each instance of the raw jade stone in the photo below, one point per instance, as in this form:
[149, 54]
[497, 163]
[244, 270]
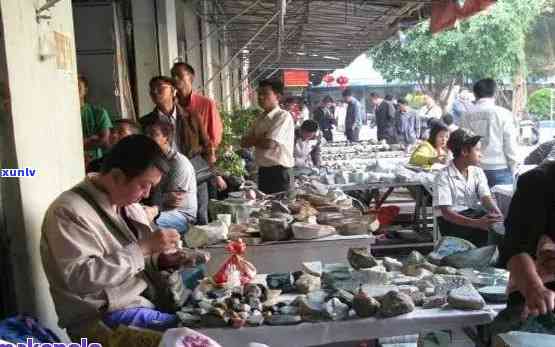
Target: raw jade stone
[360, 258]
[365, 306]
[307, 283]
[395, 304]
[392, 264]
[466, 298]
[436, 301]
[448, 245]
[335, 309]
[478, 258]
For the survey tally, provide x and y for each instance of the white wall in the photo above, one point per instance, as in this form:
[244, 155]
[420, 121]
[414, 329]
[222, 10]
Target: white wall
[43, 132]
[192, 35]
[167, 34]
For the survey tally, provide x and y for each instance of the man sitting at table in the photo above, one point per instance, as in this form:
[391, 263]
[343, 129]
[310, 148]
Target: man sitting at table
[98, 248]
[307, 145]
[462, 198]
[175, 198]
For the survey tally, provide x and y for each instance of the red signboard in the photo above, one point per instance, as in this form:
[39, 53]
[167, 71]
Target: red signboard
[295, 78]
[445, 13]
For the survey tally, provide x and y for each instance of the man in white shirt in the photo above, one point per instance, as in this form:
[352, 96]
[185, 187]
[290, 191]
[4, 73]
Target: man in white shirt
[462, 199]
[272, 136]
[496, 126]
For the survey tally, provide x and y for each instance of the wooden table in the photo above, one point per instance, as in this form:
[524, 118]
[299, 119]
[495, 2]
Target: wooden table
[282, 256]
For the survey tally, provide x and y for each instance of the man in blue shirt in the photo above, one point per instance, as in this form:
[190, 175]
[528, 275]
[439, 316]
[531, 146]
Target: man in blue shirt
[353, 118]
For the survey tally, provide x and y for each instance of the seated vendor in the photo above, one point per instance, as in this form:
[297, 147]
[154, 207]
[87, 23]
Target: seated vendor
[462, 199]
[307, 145]
[175, 198]
[528, 250]
[434, 149]
[98, 249]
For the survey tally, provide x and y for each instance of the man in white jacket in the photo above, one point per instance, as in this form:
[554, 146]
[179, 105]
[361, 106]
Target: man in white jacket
[496, 126]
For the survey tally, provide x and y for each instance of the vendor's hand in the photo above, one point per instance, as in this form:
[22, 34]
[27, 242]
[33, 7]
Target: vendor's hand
[220, 183]
[485, 222]
[151, 212]
[539, 301]
[174, 199]
[160, 241]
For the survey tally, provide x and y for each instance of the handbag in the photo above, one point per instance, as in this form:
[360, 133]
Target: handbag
[203, 171]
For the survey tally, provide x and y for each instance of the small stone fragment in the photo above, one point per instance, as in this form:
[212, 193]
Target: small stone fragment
[392, 264]
[415, 258]
[408, 289]
[345, 297]
[395, 304]
[360, 258]
[449, 245]
[365, 306]
[307, 283]
[466, 298]
[335, 309]
[417, 298]
[313, 268]
[378, 292]
[256, 318]
[478, 258]
[436, 301]
[445, 270]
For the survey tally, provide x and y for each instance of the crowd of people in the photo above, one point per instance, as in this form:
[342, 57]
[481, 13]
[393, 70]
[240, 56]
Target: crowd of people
[149, 181]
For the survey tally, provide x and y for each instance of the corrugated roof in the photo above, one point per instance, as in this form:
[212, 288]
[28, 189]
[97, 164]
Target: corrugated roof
[317, 34]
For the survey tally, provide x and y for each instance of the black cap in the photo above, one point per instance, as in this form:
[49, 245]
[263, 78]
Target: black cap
[461, 138]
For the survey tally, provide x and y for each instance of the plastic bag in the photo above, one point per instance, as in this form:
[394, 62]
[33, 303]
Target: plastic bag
[236, 262]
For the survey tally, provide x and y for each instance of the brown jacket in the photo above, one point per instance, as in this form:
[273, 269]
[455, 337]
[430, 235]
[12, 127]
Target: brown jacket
[91, 268]
[192, 138]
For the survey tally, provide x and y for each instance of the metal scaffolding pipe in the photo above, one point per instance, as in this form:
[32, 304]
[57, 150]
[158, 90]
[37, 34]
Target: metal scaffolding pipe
[258, 32]
[282, 5]
[248, 75]
[218, 28]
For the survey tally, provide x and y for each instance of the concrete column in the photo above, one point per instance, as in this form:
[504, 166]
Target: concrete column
[207, 54]
[146, 51]
[193, 36]
[227, 79]
[167, 34]
[41, 129]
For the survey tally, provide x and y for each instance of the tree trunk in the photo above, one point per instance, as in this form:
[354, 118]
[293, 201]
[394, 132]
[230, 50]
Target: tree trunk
[519, 92]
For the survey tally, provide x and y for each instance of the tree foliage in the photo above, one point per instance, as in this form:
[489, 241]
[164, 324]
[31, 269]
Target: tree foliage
[539, 103]
[540, 44]
[490, 44]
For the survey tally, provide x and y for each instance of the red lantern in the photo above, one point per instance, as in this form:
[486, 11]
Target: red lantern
[342, 81]
[328, 79]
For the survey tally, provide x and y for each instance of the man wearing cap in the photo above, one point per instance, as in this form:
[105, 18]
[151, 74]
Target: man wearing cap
[462, 199]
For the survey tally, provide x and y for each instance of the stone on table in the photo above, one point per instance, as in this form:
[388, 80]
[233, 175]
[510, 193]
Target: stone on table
[416, 270]
[477, 258]
[345, 296]
[444, 283]
[188, 319]
[310, 310]
[335, 309]
[281, 281]
[274, 229]
[436, 301]
[307, 283]
[392, 264]
[494, 294]
[448, 245]
[256, 318]
[408, 289]
[307, 231]
[360, 258]
[445, 270]
[252, 290]
[365, 306]
[402, 279]
[290, 310]
[465, 298]
[283, 319]
[371, 276]
[378, 292]
[415, 258]
[417, 298]
[428, 266]
[314, 268]
[395, 304]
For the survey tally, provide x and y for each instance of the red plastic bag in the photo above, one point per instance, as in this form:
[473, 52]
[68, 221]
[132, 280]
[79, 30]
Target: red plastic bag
[237, 261]
[387, 214]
